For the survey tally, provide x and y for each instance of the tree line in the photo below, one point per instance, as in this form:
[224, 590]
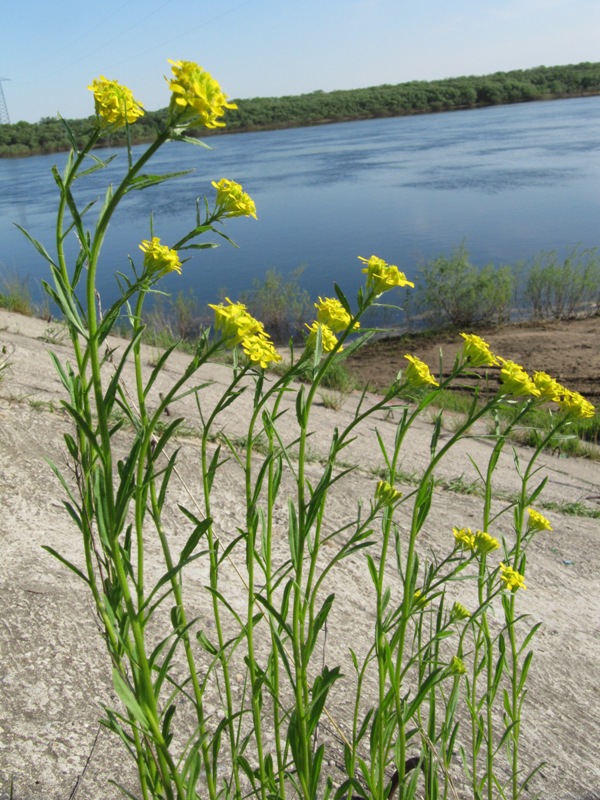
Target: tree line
[389, 100]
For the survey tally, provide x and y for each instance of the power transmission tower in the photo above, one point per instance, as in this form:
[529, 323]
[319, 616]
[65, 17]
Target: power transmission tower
[4, 118]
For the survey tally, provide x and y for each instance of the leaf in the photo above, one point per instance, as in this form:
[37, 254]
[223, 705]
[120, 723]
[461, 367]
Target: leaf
[99, 164]
[37, 244]
[530, 636]
[432, 679]
[129, 700]
[202, 246]
[70, 136]
[276, 614]
[144, 181]
[198, 532]
[179, 137]
[524, 671]
[318, 623]
[82, 424]
[319, 692]
[67, 563]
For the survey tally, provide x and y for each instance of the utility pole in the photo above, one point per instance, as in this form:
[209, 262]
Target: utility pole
[4, 118]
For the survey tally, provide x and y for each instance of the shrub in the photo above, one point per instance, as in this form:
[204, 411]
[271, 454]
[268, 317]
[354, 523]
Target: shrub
[281, 303]
[179, 319]
[15, 295]
[561, 290]
[455, 292]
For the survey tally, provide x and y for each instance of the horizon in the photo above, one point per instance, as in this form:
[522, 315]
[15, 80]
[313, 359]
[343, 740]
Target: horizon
[257, 49]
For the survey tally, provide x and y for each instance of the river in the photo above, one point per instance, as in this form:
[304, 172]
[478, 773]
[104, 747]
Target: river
[508, 181]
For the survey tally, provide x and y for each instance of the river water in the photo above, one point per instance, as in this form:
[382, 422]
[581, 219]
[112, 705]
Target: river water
[508, 181]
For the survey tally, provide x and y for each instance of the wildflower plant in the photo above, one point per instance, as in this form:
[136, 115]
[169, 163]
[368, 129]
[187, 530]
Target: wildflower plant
[427, 678]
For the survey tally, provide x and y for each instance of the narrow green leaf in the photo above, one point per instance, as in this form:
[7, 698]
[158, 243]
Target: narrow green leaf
[144, 181]
[524, 671]
[37, 244]
[67, 563]
[129, 700]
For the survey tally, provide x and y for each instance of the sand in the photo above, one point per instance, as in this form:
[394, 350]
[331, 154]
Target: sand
[55, 675]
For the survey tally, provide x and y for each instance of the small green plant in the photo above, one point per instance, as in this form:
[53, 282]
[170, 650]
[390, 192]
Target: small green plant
[231, 703]
[562, 289]
[55, 333]
[333, 400]
[15, 295]
[455, 292]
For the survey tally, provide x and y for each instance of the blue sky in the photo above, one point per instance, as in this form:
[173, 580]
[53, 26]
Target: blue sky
[51, 51]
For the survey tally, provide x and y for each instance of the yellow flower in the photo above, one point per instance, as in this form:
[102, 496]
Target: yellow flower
[457, 666]
[575, 405]
[515, 380]
[235, 323]
[511, 579]
[459, 612]
[332, 313]
[478, 351]
[419, 599]
[548, 388]
[260, 350]
[480, 542]
[537, 521]
[465, 538]
[232, 200]
[381, 277]
[158, 258]
[197, 97]
[417, 373]
[386, 495]
[484, 543]
[115, 104]
[328, 340]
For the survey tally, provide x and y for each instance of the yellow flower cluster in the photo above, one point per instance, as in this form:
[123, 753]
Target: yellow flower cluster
[115, 104]
[232, 200]
[515, 381]
[575, 405]
[547, 387]
[196, 95]
[328, 339]
[477, 351]
[332, 318]
[332, 313]
[511, 579]
[260, 350]
[537, 521]
[385, 494]
[480, 542]
[381, 277]
[456, 666]
[459, 612]
[417, 373]
[237, 326]
[158, 258]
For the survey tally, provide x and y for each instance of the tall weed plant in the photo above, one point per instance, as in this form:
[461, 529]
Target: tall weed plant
[222, 700]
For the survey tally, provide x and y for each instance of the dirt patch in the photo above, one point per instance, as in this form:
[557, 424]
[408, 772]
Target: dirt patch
[567, 350]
